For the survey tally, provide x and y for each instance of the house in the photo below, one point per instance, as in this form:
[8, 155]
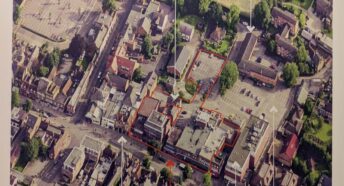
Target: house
[325, 110]
[151, 83]
[323, 8]
[285, 48]
[157, 126]
[73, 164]
[264, 175]
[145, 27]
[47, 90]
[280, 18]
[288, 152]
[289, 179]
[186, 31]
[324, 43]
[252, 69]
[178, 67]
[112, 108]
[294, 125]
[161, 22]
[123, 67]
[56, 139]
[302, 93]
[15, 153]
[117, 82]
[31, 124]
[218, 34]
[92, 147]
[148, 105]
[248, 149]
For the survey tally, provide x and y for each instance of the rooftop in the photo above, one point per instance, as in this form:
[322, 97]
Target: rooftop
[214, 142]
[147, 106]
[74, 157]
[183, 54]
[158, 119]
[291, 18]
[92, 143]
[248, 141]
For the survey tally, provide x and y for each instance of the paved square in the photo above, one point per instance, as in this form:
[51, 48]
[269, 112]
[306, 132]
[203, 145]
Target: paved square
[235, 102]
[206, 69]
[59, 20]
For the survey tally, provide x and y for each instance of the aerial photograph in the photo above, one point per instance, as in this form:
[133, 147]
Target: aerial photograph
[171, 93]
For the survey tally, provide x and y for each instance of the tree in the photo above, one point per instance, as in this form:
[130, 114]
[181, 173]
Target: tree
[302, 19]
[309, 104]
[204, 6]
[165, 174]
[168, 40]
[207, 179]
[43, 71]
[302, 54]
[15, 99]
[109, 5]
[35, 144]
[53, 58]
[272, 46]
[228, 77]
[262, 14]
[28, 105]
[77, 46]
[232, 17]
[146, 162]
[290, 74]
[215, 12]
[137, 76]
[147, 47]
[304, 68]
[188, 172]
[90, 51]
[16, 14]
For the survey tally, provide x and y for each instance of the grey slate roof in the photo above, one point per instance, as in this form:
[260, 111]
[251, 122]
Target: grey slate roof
[183, 56]
[291, 18]
[257, 68]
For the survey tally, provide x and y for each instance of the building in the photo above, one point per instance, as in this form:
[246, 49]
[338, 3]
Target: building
[92, 147]
[112, 108]
[56, 140]
[323, 8]
[289, 179]
[218, 34]
[302, 93]
[178, 67]
[248, 149]
[289, 150]
[145, 27]
[117, 82]
[31, 124]
[123, 67]
[282, 18]
[285, 48]
[157, 126]
[161, 22]
[252, 69]
[294, 125]
[73, 164]
[186, 31]
[151, 83]
[264, 175]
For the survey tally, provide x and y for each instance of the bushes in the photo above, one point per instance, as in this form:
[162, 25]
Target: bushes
[191, 87]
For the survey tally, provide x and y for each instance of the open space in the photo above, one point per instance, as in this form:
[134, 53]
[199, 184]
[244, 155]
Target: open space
[59, 20]
[244, 5]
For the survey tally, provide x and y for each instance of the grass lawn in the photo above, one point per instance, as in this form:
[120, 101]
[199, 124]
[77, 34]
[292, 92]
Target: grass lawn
[328, 33]
[325, 133]
[221, 48]
[244, 5]
[303, 3]
[191, 19]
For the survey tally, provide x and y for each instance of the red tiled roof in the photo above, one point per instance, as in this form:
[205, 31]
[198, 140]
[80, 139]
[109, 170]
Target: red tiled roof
[290, 150]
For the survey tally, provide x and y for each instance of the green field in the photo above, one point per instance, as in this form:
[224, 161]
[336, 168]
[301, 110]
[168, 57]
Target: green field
[222, 48]
[302, 3]
[191, 19]
[244, 5]
[325, 133]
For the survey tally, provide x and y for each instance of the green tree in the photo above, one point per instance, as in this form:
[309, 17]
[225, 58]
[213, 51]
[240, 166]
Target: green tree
[15, 99]
[137, 76]
[207, 179]
[232, 17]
[228, 77]
[302, 19]
[215, 12]
[272, 46]
[304, 68]
[302, 54]
[16, 14]
[53, 58]
[146, 162]
[290, 74]
[43, 71]
[35, 145]
[147, 47]
[309, 104]
[109, 5]
[168, 40]
[77, 46]
[166, 174]
[28, 105]
[262, 14]
[204, 6]
[188, 172]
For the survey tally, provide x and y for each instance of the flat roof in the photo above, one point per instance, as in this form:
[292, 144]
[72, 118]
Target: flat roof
[214, 141]
[92, 143]
[248, 140]
[74, 157]
[193, 139]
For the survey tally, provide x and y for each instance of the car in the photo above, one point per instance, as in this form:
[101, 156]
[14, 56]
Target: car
[248, 111]
[248, 93]
[257, 103]
[184, 112]
[259, 60]
[242, 91]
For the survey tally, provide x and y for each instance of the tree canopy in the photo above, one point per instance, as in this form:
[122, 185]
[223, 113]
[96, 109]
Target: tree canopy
[204, 6]
[16, 14]
[77, 46]
[147, 47]
[146, 162]
[43, 71]
[290, 74]
[28, 105]
[228, 77]
[53, 58]
[207, 179]
[232, 17]
[262, 14]
[15, 98]
[215, 12]
[188, 171]
[109, 5]
[137, 76]
[302, 54]
[166, 174]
